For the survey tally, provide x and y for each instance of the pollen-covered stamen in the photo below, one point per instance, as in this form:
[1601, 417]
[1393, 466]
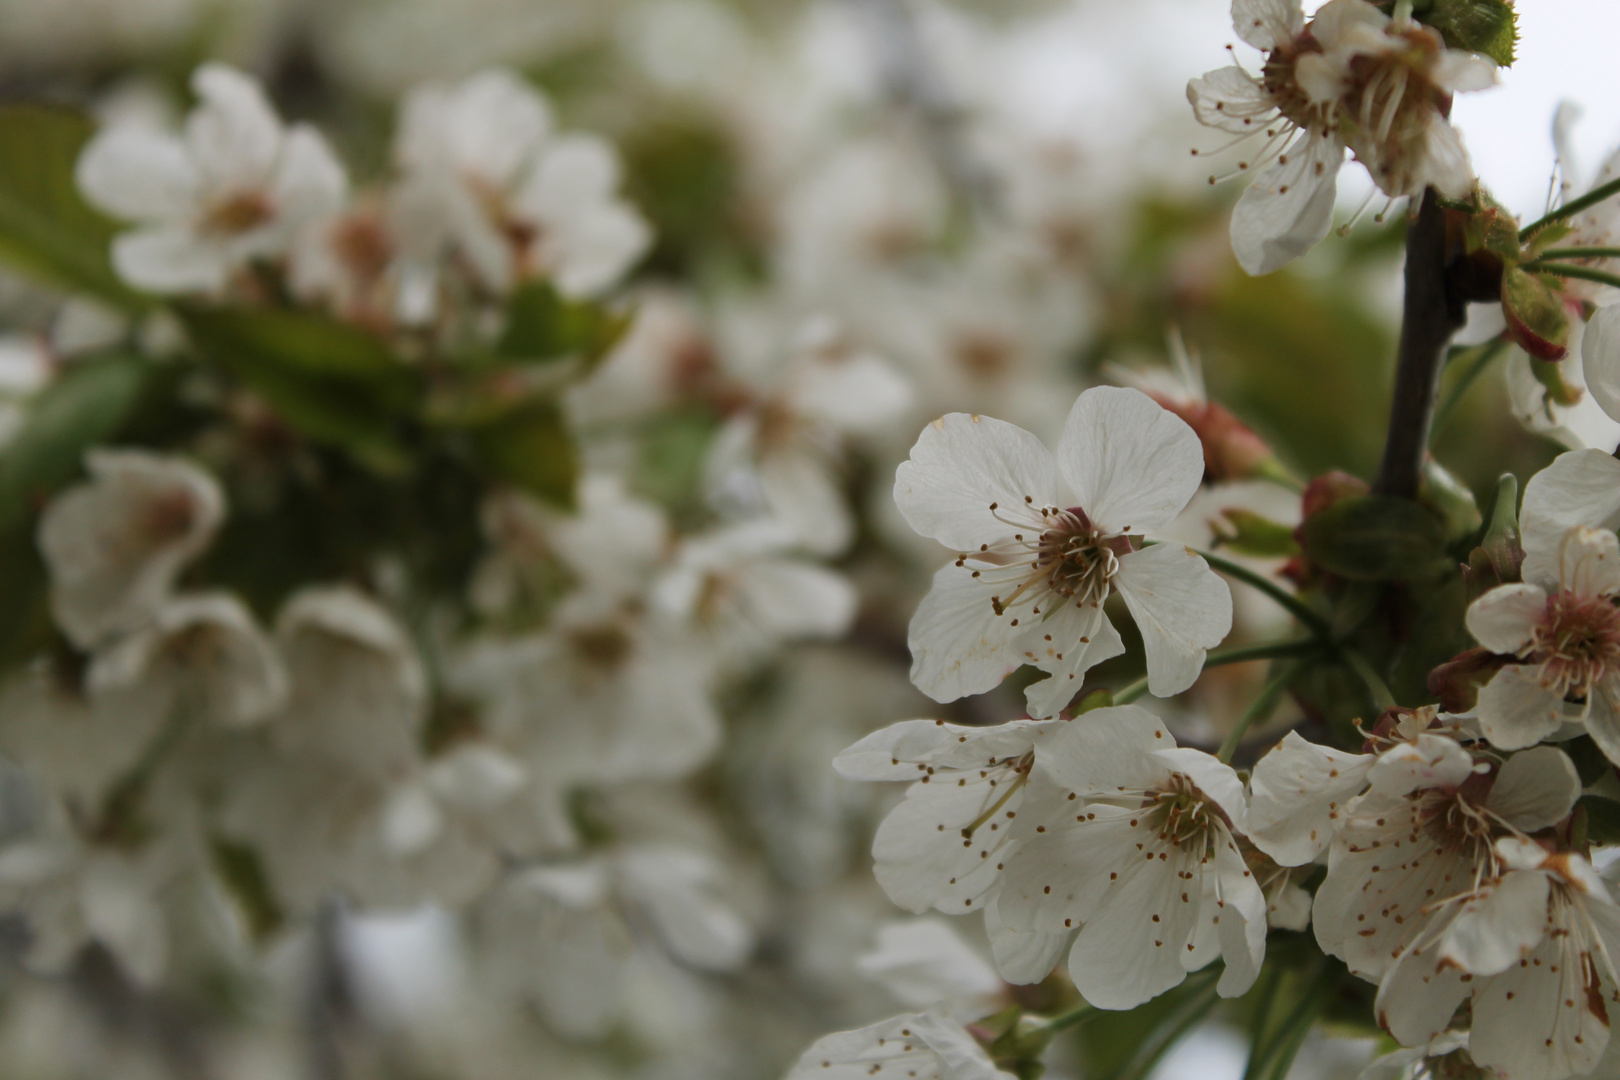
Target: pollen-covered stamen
[1185, 816]
[1576, 643]
[1020, 768]
[1456, 822]
[1283, 110]
[1393, 102]
[1063, 559]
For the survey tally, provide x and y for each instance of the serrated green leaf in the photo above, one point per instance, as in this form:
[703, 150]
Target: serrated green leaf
[85, 406]
[533, 450]
[47, 230]
[1376, 538]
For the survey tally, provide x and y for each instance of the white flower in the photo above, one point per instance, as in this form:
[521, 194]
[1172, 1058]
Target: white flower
[235, 186]
[563, 934]
[612, 546]
[1133, 840]
[1535, 949]
[485, 177]
[358, 694]
[1421, 1062]
[199, 656]
[1039, 555]
[1562, 629]
[740, 585]
[916, 1046]
[781, 453]
[1352, 76]
[115, 544]
[1423, 836]
[945, 845]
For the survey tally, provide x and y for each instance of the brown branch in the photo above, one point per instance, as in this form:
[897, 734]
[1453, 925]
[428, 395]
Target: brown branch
[1434, 310]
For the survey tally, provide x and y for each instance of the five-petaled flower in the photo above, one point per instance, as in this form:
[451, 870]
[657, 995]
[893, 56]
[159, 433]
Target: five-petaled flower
[1042, 541]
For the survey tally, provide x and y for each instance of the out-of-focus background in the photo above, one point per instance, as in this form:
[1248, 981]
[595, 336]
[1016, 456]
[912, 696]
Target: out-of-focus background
[996, 200]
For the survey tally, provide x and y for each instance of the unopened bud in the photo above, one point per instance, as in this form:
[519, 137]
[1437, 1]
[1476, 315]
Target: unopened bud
[1457, 681]
[1537, 314]
[1232, 450]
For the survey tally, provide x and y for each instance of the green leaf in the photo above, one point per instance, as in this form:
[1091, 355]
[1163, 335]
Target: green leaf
[543, 326]
[1484, 26]
[47, 230]
[334, 383]
[1376, 538]
[533, 450]
[85, 406]
[1449, 499]
[244, 877]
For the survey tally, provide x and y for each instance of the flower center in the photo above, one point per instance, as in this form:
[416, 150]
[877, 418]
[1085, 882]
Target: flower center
[1279, 76]
[239, 213]
[1069, 559]
[1453, 821]
[1393, 103]
[1184, 815]
[1576, 643]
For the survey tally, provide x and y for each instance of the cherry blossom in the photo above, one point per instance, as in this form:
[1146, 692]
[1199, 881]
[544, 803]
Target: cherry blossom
[1038, 555]
[1133, 841]
[115, 544]
[235, 186]
[916, 1046]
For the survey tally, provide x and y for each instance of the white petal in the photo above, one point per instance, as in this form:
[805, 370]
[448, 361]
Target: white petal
[575, 171]
[1503, 619]
[1082, 637]
[1430, 761]
[1022, 957]
[1516, 710]
[233, 135]
[803, 492]
[1603, 717]
[919, 853]
[791, 598]
[1266, 24]
[962, 465]
[895, 752]
[1589, 562]
[1288, 207]
[1181, 607]
[1130, 951]
[923, 962]
[1131, 463]
[596, 250]
[1230, 99]
[1242, 927]
[171, 259]
[959, 645]
[1419, 995]
[1600, 357]
[1537, 1020]
[920, 1045]
[1535, 788]
[498, 120]
[411, 820]
[1461, 72]
[137, 174]
[1491, 934]
[310, 182]
[676, 890]
[859, 394]
[1296, 793]
[1106, 749]
[1581, 487]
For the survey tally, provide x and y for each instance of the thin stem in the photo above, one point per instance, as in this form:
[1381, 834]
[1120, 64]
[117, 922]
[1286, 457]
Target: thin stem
[1266, 650]
[1131, 691]
[1376, 687]
[1073, 1018]
[1199, 1001]
[1431, 314]
[1571, 208]
[1483, 355]
[1581, 252]
[1275, 1061]
[1585, 273]
[1263, 703]
[1297, 607]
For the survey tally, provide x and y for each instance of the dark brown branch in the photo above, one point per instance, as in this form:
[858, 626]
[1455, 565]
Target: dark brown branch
[1434, 310]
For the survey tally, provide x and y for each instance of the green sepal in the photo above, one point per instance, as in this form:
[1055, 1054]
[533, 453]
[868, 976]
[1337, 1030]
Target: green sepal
[1489, 27]
[1249, 533]
[531, 449]
[1537, 316]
